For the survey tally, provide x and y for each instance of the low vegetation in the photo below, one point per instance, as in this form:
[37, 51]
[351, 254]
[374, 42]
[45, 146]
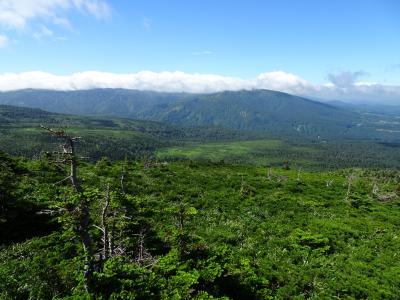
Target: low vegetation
[184, 230]
[299, 154]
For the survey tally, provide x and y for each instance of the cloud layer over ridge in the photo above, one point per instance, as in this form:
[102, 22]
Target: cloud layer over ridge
[342, 86]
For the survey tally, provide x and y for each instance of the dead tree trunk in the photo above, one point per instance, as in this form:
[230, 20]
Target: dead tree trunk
[68, 156]
[69, 148]
[106, 253]
[86, 240]
[122, 178]
[269, 173]
[299, 174]
[350, 180]
[108, 232]
[111, 237]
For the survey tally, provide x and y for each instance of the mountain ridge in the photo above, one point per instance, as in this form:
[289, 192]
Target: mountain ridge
[263, 110]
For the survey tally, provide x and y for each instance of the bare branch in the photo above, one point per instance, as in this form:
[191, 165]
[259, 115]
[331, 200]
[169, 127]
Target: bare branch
[59, 133]
[98, 227]
[66, 178]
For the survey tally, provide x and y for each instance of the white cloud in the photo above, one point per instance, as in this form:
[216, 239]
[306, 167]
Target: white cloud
[345, 79]
[200, 83]
[43, 32]
[18, 14]
[3, 41]
[282, 81]
[98, 8]
[144, 80]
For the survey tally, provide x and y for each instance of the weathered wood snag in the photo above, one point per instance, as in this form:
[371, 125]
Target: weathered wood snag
[81, 211]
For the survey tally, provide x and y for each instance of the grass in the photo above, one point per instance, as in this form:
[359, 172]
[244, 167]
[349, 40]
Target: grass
[259, 152]
[298, 154]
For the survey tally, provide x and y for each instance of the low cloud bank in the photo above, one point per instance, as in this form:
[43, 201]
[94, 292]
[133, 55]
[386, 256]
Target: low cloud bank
[343, 86]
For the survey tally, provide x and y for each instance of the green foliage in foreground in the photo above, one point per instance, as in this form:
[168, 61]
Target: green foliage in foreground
[189, 230]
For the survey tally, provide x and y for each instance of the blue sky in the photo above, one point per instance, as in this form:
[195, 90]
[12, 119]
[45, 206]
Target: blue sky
[312, 39]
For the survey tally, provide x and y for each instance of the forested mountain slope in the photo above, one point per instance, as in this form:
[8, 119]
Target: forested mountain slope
[258, 110]
[277, 113]
[20, 133]
[110, 102]
[252, 110]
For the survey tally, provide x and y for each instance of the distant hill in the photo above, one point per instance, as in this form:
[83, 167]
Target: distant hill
[270, 112]
[257, 110]
[386, 109]
[110, 102]
[264, 110]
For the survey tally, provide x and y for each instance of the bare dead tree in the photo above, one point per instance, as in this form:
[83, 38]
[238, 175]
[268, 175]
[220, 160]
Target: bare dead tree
[111, 246]
[269, 173]
[299, 174]
[181, 216]
[122, 177]
[111, 236]
[375, 189]
[148, 160]
[68, 155]
[382, 196]
[105, 253]
[282, 178]
[143, 255]
[329, 182]
[350, 180]
[244, 188]
[81, 211]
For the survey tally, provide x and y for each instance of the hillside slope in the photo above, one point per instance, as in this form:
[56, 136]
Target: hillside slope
[110, 102]
[252, 110]
[257, 110]
[276, 113]
[20, 133]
